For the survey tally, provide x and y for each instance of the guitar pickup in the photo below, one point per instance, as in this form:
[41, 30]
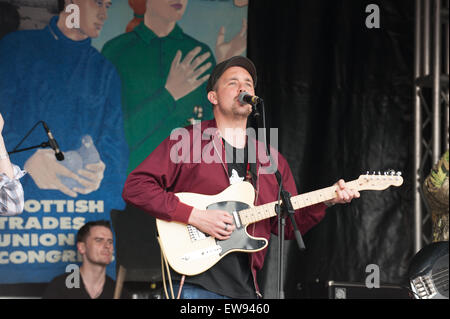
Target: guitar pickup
[237, 220]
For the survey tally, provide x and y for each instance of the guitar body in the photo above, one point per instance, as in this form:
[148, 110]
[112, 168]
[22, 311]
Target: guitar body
[191, 252]
[428, 271]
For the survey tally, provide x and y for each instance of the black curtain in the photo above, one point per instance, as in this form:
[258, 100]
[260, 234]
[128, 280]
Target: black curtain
[340, 95]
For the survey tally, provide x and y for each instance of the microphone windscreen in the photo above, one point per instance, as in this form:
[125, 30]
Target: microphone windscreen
[59, 156]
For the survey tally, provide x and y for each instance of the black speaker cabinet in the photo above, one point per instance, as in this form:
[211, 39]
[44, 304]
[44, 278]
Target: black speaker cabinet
[349, 290]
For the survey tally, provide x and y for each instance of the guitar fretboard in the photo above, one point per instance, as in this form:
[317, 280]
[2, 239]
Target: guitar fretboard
[255, 214]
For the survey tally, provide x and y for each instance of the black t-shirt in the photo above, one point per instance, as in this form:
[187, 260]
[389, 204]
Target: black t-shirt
[57, 289]
[231, 276]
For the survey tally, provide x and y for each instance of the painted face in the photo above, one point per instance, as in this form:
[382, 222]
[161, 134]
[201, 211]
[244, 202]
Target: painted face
[225, 96]
[93, 14]
[169, 10]
[98, 246]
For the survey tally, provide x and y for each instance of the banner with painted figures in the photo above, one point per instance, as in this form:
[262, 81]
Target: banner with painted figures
[107, 101]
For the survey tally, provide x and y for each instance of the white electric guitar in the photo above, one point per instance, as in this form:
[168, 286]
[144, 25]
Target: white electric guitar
[190, 251]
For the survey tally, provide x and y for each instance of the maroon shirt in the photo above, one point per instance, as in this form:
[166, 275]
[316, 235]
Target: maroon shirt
[193, 163]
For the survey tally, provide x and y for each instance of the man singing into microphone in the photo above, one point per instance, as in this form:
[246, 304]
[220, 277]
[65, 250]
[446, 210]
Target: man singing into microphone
[152, 185]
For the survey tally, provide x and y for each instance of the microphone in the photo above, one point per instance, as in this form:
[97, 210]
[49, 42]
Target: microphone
[247, 98]
[53, 144]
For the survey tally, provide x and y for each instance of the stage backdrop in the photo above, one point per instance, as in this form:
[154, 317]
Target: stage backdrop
[341, 95]
[40, 243]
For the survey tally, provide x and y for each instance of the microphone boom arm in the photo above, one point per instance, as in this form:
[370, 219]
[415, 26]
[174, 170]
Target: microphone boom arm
[50, 143]
[42, 145]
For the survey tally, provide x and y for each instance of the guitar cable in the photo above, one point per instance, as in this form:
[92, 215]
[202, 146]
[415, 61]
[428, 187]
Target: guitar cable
[165, 262]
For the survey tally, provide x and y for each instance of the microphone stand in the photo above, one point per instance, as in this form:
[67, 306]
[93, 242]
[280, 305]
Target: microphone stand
[284, 209]
[43, 144]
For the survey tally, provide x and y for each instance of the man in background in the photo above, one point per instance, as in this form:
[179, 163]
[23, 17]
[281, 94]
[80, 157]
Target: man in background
[96, 246]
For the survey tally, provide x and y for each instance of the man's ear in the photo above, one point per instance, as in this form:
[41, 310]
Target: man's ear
[81, 248]
[212, 97]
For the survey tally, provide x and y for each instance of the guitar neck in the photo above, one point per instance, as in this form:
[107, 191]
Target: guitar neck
[255, 214]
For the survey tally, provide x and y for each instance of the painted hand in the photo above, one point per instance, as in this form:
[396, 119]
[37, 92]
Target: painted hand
[184, 75]
[45, 169]
[237, 45]
[94, 176]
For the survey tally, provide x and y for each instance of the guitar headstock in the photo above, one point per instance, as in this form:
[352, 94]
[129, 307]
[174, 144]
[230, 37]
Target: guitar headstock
[379, 181]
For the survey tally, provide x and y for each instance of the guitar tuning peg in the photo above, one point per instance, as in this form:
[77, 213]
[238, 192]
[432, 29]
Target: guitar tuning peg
[399, 173]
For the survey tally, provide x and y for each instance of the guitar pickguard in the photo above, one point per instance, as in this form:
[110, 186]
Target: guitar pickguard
[239, 239]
